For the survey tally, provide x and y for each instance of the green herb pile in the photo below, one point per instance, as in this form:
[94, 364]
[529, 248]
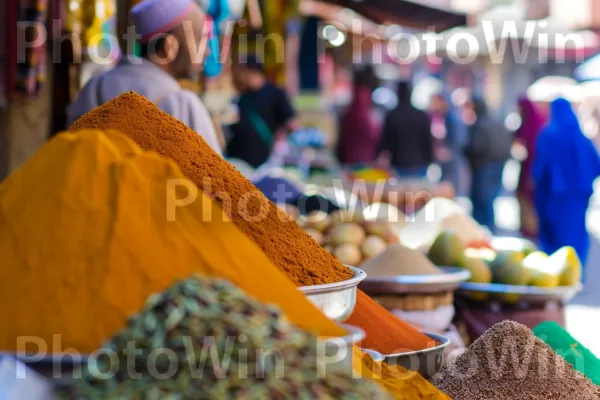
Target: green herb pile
[206, 339]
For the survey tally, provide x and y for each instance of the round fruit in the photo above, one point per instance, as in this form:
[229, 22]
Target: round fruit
[542, 273]
[378, 228]
[348, 254]
[343, 216]
[318, 220]
[373, 246]
[346, 233]
[290, 210]
[567, 260]
[480, 271]
[316, 235]
[507, 268]
[447, 250]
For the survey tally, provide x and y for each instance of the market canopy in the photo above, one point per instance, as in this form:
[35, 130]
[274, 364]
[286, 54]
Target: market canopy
[410, 13]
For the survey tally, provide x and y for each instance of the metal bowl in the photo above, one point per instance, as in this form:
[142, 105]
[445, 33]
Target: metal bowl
[337, 352]
[60, 369]
[336, 300]
[529, 294]
[408, 284]
[426, 362]
[375, 355]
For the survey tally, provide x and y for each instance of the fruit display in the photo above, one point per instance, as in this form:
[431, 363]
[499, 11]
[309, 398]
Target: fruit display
[448, 250]
[440, 215]
[522, 267]
[350, 237]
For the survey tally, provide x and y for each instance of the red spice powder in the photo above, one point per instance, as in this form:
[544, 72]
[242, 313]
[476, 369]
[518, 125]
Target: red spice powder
[386, 333]
[280, 238]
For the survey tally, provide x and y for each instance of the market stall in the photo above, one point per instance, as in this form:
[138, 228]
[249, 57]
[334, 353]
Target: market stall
[210, 271]
[128, 230]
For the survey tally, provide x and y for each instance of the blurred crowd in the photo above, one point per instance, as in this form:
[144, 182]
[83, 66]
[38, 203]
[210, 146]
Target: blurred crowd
[559, 163]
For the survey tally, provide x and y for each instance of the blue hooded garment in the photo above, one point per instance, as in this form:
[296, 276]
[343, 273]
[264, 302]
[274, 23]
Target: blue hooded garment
[566, 165]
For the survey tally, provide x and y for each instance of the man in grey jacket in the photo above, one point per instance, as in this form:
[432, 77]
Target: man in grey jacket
[173, 41]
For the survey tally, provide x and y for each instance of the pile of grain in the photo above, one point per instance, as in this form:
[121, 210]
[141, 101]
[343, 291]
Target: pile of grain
[399, 260]
[509, 362]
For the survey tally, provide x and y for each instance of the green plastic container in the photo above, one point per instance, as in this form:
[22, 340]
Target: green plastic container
[570, 349]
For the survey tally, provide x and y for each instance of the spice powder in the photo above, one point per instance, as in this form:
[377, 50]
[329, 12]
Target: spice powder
[280, 238]
[508, 362]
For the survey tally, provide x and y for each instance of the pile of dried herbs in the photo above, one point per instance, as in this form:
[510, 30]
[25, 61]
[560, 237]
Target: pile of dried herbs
[206, 339]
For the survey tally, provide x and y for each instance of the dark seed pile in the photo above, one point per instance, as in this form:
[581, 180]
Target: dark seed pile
[509, 362]
[206, 339]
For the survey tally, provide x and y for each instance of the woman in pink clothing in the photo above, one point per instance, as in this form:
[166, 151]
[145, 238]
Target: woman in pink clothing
[359, 134]
[526, 135]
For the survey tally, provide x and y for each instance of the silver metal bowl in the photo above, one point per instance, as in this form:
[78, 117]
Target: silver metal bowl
[409, 284]
[375, 355]
[530, 294]
[336, 352]
[426, 362]
[336, 300]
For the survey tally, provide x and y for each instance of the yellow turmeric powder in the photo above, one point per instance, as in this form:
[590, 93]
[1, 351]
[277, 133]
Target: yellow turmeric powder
[282, 240]
[85, 239]
[403, 384]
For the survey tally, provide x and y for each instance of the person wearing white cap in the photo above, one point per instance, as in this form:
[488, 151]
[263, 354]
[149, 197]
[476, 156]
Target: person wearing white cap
[173, 43]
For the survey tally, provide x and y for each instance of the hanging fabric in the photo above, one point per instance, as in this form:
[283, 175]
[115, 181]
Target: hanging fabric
[31, 64]
[11, 48]
[276, 16]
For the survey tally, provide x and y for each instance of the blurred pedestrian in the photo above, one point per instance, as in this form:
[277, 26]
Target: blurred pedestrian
[532, 123]
[359, 134]
[454, 139]
[169, 32]
[265, 114]
[407, 138]
[564, 170]
[488, 150]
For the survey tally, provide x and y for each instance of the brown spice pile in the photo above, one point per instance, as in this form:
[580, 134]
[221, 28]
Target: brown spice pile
[509, 362]
[399, 260]
[282, 240]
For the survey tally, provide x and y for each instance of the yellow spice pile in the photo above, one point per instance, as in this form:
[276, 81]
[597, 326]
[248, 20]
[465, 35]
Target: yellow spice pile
[85, 239]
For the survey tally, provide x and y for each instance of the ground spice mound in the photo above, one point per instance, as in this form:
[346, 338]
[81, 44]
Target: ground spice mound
[399, 260]
[509, 362]
[282, 240]
[84, 241]
[386, 333]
